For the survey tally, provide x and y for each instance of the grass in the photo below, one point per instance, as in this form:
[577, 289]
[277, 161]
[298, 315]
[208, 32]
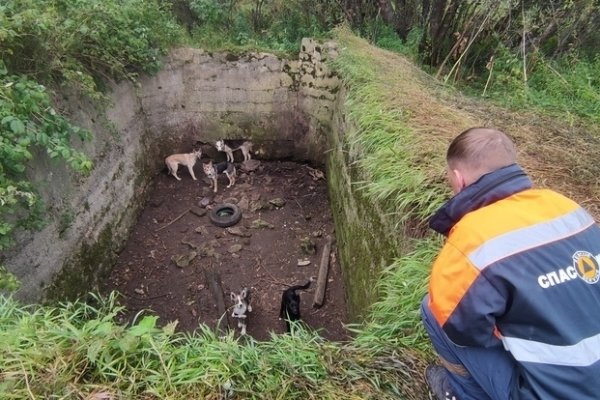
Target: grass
[402, 122]
[75, 350]
[400, 170]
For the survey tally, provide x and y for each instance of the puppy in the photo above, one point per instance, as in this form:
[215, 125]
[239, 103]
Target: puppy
[245, 147]
[213, 170]
[187, 159]
[241, 308]
[290, 304]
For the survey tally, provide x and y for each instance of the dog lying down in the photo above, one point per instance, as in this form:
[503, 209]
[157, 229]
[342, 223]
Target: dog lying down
[290, 303]
[241, 308]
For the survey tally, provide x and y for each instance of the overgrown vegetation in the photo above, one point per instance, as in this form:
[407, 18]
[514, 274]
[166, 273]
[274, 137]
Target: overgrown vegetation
[525, 54]
[278, 26]
[75, 351]
[516, 53]
[68, 45]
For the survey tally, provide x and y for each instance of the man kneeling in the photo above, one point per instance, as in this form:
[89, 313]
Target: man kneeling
[514, 295]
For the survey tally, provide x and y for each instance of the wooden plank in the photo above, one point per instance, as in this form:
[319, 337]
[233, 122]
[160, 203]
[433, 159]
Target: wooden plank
[216, 288]
[323, 271]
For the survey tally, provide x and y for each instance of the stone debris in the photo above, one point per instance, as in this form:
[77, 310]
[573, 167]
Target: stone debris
[244, 203]
[308, 246]
[316, 174]
[201, 230]
[184, 260]
[277, 202]
[250, 165]
[193, 246]
[261, 223]
[303, 263]
[258, 205]
[207, 250]
[204, 202]
[235, 248]
[199, 212]
[237, 231]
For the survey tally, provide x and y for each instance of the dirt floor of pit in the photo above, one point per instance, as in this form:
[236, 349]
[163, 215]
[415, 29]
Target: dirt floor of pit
[286, 219]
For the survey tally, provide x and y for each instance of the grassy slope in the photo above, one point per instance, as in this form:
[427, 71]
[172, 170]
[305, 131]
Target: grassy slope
[405, 121]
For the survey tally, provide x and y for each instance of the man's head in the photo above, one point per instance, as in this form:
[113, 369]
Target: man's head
[476, 152]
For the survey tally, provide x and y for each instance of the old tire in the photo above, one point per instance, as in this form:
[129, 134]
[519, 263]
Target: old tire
[225, 215]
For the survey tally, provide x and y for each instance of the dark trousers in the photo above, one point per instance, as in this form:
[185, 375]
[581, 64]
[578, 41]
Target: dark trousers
[475, 373]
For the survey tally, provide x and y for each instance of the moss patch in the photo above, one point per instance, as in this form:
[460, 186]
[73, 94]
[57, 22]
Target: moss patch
[91, 264]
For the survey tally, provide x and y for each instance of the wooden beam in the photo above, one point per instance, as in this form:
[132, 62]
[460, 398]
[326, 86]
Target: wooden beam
[323, 271]
[216, 288]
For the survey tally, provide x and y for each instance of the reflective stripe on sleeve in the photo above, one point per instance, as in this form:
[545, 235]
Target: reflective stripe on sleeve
[530, 237]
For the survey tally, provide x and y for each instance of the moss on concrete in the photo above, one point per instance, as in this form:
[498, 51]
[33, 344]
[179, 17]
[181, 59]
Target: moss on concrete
[366, 242]
[85, 269]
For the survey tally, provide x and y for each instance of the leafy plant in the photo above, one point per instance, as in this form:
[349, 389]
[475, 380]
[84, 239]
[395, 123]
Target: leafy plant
[77, 350]
[8, 282]
[82, 44]
[27, 122]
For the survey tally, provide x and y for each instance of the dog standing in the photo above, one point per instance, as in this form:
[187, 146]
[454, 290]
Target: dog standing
[241, 308]
[245, 147]
[186, 159]
[290, 303]
[212, 171]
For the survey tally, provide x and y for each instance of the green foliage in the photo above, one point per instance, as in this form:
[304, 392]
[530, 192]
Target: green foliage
[212, 12]
[29, 122]
[277, 26]
[76, 350]
[8, 282]
[569, 86]
[388, 39]
[395, 163]
[80, 44]
[395, 320]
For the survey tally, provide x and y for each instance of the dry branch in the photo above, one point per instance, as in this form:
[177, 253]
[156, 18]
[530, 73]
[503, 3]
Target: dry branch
[176, 219]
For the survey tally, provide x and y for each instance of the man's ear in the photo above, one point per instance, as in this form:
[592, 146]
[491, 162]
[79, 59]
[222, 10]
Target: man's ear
[457, 180]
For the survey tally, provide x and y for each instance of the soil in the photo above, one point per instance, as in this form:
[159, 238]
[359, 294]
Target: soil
[175, 248]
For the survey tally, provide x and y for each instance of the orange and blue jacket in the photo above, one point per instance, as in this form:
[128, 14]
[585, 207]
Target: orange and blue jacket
[520, 267]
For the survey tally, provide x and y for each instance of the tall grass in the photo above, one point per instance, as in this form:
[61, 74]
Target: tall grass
[74, 351]
[395, 320]
[400, 171]
[567, 88]
[275, 26]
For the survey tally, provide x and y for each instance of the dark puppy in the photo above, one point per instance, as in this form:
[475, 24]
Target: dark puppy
[290, 303]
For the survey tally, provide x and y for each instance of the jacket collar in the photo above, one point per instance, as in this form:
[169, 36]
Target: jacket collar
[486, 190]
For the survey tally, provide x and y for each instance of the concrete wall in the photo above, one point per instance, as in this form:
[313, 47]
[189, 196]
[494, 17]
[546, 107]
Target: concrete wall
[368, 241]
[290, 109]
[284, 106]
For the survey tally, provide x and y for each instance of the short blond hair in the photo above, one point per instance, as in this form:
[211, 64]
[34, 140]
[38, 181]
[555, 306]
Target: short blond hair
[481, 150]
